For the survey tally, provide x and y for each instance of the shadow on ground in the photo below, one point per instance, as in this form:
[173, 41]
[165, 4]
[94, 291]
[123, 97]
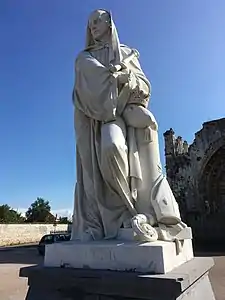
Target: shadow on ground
[209, 248]
[24, 255]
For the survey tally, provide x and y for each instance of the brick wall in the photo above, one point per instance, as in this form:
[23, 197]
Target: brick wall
[13, 234]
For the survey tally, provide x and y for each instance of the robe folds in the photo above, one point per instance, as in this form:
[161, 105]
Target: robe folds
[109, 171]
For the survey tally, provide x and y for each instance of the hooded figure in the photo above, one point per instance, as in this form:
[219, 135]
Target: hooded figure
[118, 166]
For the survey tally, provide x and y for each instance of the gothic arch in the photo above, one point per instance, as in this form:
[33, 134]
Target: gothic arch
[212, 149]
[212, 181]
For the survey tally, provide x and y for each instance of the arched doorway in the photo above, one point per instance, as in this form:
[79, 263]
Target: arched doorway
[211, 225]
[212, 185]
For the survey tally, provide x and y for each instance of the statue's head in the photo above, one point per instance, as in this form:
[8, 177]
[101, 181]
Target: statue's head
[99, 24]
[101, 28]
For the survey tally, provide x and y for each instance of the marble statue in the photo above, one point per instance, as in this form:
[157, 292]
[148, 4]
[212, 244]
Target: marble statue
[120, 183]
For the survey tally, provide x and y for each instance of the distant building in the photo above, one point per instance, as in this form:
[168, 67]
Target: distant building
[196, 174]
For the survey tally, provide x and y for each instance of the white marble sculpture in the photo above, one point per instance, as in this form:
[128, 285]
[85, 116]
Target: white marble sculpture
[120, 183]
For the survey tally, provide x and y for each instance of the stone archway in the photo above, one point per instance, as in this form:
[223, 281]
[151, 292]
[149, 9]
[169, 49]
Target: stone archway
[212, 183]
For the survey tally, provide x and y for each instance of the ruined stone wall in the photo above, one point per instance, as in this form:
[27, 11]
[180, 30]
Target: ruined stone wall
[179, 169]
[185, 164]
[14, 234]
[186, 168]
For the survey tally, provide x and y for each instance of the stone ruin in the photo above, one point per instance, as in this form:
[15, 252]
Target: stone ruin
[196, 174]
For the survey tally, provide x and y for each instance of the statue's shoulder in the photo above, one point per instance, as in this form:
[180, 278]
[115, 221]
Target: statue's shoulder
[125, 49]
[82, 54]
[81, 57]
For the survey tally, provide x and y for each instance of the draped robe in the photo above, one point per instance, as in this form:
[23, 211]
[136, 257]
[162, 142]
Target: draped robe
[119, 172]
[104, 163]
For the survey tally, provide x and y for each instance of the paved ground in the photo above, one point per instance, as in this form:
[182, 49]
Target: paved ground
[217, 277]
[14, 288]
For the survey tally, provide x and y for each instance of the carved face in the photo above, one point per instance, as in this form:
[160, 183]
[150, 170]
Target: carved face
[99, 24]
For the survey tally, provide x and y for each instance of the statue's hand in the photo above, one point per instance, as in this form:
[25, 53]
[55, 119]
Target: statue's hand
[124, 76]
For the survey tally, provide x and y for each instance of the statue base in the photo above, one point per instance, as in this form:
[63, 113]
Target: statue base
[156, 257]
[189, 281]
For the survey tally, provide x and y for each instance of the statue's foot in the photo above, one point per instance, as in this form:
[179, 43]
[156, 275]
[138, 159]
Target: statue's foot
[175, 233]
[144, 231]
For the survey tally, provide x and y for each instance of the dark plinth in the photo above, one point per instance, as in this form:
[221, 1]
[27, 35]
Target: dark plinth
[189, 281]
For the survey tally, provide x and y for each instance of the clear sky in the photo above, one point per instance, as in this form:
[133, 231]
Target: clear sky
[182, 47]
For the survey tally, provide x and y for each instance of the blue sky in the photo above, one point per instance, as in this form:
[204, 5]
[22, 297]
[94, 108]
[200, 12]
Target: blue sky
[182, 46]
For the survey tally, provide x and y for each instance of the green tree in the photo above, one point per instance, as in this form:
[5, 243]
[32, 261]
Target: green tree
[39, 212]
[9, 215]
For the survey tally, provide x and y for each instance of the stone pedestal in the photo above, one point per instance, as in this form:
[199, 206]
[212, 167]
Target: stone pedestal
[187, 282]
[156, 258]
